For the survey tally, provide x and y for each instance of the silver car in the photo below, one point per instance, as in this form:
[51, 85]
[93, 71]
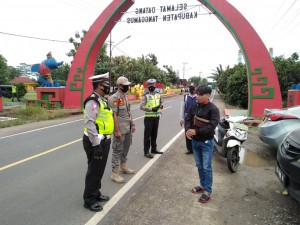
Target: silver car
[277, 123]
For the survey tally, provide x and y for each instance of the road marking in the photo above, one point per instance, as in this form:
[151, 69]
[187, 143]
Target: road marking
[25, 132]
[116, 198]
[51, 150]
[30, 131]
[38, 155]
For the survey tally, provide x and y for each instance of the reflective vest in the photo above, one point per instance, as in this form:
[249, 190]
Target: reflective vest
[104, 120]
[13, 89]
[151, 102]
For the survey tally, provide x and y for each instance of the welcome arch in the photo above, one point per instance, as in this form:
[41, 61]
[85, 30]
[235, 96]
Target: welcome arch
[263, 86]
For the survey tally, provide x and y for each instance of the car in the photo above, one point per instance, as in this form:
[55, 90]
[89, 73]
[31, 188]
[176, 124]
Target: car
[288, 163]
[277, 123]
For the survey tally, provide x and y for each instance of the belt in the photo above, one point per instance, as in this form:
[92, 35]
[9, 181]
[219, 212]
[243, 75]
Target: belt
[104, 136]
[100, 136]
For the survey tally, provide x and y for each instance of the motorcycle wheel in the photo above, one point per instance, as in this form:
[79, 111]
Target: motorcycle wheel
[233, 159]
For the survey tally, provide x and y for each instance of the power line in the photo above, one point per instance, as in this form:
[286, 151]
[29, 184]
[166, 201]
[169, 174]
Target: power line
[276, 24]
[37, 38]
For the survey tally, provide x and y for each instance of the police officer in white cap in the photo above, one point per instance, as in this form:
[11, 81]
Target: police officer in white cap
[151, 103]
[124, 127]
[99, 125]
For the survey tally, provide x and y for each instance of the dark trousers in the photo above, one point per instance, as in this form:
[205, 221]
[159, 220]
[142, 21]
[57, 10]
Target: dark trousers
[14, 95]
[95, 170]
[150, 133]
[188, 143]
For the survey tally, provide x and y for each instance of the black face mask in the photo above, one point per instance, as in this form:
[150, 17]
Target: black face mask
[105, 90]
[192, 90]
[151, 88]
[125, 88]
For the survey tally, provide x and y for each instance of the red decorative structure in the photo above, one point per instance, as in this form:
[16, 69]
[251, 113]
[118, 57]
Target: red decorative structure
[49, 97]
[1, 104]
[293, 98]
[263, 86]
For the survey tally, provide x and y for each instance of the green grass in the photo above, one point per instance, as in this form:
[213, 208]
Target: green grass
[28, 96]
[31, 114]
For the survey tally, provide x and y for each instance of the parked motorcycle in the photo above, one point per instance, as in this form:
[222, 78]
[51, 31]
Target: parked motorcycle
[229, 136]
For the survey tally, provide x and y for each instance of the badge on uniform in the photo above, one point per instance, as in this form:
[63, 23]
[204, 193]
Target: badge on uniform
[121, 102]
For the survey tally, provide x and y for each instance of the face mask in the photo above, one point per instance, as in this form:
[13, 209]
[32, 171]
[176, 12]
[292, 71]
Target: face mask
[192, 90]
[105, 90]
[151, 88]
[125, 88]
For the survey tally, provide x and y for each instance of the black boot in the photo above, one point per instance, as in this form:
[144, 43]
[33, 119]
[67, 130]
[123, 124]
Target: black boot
[148, 155]
[155, 151]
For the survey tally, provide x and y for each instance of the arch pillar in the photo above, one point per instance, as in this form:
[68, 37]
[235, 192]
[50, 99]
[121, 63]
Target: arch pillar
[83, 66]
[263, 86]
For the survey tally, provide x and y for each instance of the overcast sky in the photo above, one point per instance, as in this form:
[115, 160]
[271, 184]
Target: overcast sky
[198, 45]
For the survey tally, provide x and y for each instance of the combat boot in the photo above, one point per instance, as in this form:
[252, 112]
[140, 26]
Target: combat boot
[125, 169]
[116, 175]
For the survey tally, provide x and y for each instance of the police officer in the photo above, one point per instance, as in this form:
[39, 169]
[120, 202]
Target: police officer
[99, 126]
[124, 127]
[14, 93]
[151, 103]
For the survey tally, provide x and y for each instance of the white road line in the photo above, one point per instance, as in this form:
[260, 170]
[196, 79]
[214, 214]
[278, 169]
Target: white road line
[30, 131]
[116, 198]
[25, 132]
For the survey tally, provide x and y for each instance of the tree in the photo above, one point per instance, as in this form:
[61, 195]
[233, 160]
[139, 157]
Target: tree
[61, 73]
[3, 70]
[237, 87]
[21, 90]
[288, 72]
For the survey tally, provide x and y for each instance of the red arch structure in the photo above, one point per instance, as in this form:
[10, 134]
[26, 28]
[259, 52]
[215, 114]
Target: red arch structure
[263, 87]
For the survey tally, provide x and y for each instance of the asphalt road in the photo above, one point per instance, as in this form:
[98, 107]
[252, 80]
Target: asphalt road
[42, 168]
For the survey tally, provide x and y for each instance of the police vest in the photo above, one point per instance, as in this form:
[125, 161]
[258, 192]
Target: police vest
[104, 121]
[14, 89]
[151, 102]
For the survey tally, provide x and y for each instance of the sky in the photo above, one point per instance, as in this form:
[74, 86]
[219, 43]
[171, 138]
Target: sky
[194, 47]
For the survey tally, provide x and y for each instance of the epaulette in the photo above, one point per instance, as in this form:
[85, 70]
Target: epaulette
[91, 97]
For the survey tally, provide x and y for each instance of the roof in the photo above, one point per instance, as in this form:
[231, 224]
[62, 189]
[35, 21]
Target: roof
[24, 80]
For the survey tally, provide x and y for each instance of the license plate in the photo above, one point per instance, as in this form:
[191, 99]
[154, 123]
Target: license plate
[281, 176]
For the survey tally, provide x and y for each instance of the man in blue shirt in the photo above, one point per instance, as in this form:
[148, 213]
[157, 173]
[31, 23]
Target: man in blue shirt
[188, 101]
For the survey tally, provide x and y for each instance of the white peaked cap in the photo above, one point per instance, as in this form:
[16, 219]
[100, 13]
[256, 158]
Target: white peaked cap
[101, 76]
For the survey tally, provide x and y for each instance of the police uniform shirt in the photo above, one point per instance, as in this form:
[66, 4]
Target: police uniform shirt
[91, 112]
[144, 101]
[118, 100]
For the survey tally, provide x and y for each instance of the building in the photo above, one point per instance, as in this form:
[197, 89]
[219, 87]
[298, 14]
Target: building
[30, 85]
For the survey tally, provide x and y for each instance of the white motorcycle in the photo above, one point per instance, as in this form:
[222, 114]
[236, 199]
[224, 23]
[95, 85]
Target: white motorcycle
[229, 136]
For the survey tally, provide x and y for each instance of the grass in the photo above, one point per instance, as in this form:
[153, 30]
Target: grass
[31, 114]
[28, 96]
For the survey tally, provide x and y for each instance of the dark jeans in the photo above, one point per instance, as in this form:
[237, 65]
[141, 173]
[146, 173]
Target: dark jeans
[95, 170]
[150, 133]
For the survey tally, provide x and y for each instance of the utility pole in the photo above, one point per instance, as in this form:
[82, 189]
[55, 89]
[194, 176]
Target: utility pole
[200, 77]
[183, 69]
[110, 56]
